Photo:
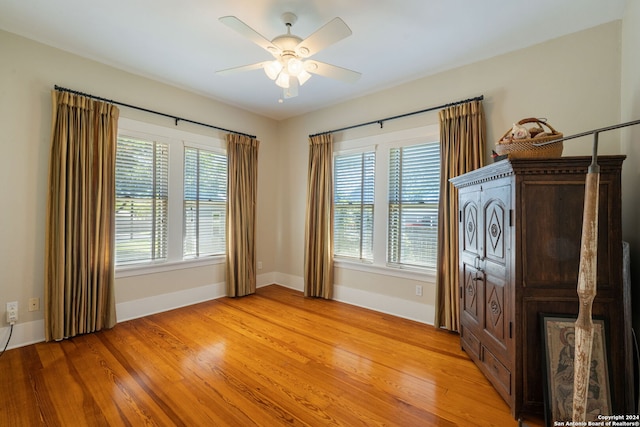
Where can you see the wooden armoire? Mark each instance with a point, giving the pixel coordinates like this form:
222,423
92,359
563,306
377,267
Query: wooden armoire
520,225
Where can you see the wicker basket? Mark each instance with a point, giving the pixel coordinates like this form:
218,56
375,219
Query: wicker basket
524,148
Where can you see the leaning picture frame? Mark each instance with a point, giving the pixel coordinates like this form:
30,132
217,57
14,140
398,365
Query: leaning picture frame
558,338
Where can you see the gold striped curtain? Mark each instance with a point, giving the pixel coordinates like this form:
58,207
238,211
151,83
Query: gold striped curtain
79,246
462,139
242,190
318,253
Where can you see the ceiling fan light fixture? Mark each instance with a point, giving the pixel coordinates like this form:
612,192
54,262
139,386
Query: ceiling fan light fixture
272,69
303,77
283,80
294,66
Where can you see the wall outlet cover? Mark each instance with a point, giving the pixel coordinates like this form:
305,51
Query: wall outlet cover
12,312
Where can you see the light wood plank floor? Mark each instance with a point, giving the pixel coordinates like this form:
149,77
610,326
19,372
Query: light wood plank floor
270,359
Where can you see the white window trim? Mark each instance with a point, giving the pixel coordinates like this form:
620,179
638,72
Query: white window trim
354,150
346,152
177,139
382,144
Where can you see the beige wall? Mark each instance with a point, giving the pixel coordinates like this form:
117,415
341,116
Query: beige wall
630,111
28,72
575,81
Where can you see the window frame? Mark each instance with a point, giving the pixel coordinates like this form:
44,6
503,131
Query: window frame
358,151
153,199
405,208
383,143
177,139
216,151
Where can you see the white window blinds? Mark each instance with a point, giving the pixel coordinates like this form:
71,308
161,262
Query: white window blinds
354,176
205,202
142,182
414,189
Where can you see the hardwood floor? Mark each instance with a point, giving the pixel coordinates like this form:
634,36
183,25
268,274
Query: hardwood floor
273,358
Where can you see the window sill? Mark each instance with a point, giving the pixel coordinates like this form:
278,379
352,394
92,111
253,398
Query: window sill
142,269
421,274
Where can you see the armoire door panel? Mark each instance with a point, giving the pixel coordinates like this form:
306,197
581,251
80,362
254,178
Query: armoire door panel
495,223
470,225
494,311
471,293
495,215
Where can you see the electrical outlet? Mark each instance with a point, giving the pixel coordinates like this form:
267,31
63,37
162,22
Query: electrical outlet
34,304
419,290
259,265
12,312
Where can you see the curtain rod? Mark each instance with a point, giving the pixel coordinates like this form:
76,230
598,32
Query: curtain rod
177,119
381,121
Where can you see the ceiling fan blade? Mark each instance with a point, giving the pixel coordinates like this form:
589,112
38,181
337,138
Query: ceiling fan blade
332,32
331,71
245,30
243,68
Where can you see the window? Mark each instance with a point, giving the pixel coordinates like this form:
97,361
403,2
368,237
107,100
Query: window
353,205
142,183
171,194
414,189
386,196
205,202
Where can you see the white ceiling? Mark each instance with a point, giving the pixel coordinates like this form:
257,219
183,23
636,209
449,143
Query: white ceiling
182,43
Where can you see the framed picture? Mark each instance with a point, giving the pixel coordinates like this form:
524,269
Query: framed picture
558,337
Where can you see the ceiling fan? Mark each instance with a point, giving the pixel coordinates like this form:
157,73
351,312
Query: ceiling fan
292,66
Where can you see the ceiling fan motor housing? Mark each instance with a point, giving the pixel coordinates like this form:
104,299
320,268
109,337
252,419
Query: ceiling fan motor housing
287,42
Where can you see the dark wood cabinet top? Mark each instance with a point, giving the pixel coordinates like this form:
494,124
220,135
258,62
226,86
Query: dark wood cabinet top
562,165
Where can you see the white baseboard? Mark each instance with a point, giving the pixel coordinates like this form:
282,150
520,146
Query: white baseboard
158,303
165,302
289,281
265,279
423,313
33,332
23,334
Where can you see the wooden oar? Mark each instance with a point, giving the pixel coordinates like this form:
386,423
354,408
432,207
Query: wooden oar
587,288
